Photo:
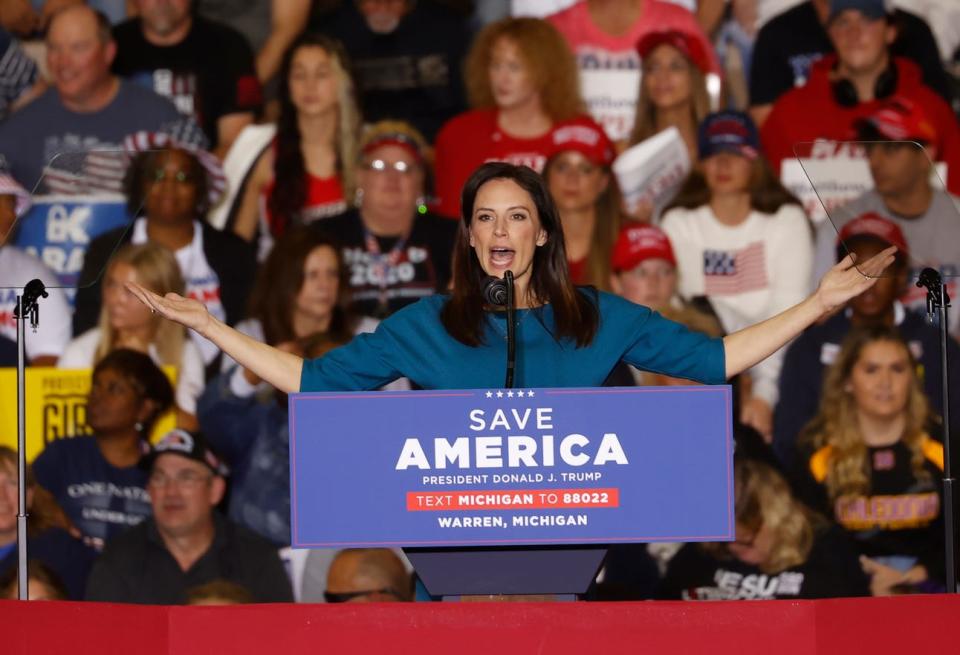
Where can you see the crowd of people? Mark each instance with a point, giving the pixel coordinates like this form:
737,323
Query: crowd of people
299,168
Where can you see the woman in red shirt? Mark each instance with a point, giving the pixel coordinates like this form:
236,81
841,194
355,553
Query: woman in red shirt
522,82
306,173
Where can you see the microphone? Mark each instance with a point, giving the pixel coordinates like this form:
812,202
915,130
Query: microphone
495,291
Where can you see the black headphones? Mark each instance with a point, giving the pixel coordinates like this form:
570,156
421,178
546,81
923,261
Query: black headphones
845,94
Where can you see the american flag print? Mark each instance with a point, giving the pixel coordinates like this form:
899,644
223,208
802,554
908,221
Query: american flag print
728,272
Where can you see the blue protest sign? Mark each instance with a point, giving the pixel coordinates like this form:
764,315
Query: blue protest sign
58,229
502,467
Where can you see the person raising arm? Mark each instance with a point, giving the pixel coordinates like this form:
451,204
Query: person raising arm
510,223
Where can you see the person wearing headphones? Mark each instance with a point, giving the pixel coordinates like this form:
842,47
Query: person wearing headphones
850,85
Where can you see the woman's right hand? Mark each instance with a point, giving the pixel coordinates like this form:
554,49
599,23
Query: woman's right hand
185,311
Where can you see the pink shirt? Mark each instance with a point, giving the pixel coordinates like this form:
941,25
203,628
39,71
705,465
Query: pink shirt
610,65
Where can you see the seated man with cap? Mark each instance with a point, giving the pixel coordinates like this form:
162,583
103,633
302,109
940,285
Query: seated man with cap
186,542
807,358
903,193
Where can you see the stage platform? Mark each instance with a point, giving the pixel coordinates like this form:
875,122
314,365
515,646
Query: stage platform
909,625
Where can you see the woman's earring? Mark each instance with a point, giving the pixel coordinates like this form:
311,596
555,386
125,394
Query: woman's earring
138,426
421,205
358,198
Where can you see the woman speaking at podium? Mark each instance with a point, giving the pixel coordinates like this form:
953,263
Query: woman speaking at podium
566,336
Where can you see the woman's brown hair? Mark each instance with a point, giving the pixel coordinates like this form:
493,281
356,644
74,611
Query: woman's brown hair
280,279
547,55
645,120
605,229
575,316
767,194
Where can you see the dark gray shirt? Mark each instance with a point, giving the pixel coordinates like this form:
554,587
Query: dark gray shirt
136,567
47,134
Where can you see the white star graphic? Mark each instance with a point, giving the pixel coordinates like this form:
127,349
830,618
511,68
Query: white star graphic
489,394
520,394
499,394
530,394
509,394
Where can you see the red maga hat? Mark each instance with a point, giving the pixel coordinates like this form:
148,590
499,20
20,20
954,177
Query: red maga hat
691,47
874,225
638,242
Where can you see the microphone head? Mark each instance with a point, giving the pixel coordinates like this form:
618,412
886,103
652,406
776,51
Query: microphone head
495,291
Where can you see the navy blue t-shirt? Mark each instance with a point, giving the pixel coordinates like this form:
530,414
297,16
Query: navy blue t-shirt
100,499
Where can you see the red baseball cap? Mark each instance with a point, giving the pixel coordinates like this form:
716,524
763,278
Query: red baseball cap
874,225
589,140
898,119
691,47
638,242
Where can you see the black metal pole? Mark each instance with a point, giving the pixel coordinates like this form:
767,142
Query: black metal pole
938,300
20,314
27,308
511,330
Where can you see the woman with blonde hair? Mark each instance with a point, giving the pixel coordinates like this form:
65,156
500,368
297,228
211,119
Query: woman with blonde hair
306,171
126,323
782,549
523,85
875,469
673,87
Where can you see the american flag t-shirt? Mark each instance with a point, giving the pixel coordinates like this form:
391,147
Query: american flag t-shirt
727,272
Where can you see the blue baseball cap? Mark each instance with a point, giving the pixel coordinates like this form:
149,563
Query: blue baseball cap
728,131
872,9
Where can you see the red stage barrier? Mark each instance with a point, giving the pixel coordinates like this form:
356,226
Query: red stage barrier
917,624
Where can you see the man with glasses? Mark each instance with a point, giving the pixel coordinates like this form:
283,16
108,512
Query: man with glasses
186,543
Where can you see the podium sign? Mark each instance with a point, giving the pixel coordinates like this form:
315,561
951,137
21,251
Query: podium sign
511,467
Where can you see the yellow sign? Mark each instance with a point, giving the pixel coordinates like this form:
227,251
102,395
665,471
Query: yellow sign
56,406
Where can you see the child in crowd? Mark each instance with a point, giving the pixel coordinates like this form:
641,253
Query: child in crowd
742,241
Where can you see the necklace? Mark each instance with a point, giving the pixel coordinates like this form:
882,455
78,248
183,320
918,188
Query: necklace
502,329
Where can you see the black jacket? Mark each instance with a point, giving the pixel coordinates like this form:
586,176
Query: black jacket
136,567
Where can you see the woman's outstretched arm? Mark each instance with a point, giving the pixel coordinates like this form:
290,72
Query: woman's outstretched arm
281,369
743,349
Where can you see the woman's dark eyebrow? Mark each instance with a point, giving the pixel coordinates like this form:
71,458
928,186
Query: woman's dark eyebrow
488,209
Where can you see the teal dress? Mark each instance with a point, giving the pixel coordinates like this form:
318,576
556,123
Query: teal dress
413,343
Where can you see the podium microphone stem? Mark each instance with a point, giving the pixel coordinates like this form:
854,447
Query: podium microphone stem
511,330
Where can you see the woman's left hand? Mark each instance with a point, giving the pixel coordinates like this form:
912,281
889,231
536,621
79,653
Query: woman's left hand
847,279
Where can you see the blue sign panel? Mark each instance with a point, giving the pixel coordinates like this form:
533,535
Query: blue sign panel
511,467
58,229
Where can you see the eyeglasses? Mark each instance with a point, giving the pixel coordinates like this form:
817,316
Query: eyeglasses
346,596
184,479
381,166
181,177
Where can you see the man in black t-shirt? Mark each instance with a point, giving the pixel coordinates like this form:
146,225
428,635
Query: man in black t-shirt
789,44
206,68
186,543
406,56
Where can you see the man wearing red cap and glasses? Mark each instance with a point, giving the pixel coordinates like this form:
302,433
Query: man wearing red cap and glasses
925,213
